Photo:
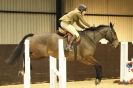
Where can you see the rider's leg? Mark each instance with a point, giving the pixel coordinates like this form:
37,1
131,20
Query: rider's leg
69,45
69,36
71,29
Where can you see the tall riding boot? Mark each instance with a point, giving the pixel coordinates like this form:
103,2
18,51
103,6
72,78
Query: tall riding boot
69,45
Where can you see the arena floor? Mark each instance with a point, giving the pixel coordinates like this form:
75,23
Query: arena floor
106,83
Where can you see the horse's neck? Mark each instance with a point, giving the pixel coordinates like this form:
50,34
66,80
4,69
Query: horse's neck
94,36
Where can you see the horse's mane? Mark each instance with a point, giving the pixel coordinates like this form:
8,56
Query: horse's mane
93,29
96,28
102,26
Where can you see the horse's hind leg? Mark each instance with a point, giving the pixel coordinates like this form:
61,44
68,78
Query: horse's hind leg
90,60
22,71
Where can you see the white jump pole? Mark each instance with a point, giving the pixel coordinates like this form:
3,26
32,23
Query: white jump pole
27,76
53,77
123,61
61,73
62,65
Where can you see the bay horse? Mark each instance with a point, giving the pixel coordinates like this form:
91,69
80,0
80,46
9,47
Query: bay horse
43,45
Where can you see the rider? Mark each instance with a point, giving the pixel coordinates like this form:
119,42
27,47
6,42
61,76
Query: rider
74,16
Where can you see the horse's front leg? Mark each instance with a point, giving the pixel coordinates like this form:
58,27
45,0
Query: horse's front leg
98,69
90,60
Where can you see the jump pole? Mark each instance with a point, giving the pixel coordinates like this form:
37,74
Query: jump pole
125,76
27,76
54,72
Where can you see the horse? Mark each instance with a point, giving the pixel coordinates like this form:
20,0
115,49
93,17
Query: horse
43,45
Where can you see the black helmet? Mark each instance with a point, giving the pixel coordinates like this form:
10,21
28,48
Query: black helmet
82,7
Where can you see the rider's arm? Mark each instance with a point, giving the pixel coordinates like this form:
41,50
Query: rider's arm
80,25
82,20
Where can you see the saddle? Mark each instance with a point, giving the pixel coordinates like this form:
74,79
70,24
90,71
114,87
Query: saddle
67,35
62,32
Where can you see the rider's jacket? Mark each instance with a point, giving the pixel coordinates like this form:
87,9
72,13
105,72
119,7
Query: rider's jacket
74,16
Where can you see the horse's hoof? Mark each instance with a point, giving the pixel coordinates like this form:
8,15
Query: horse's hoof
97,81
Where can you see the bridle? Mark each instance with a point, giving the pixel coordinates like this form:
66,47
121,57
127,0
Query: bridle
111,37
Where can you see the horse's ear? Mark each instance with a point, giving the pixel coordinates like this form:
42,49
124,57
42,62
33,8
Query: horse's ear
111,25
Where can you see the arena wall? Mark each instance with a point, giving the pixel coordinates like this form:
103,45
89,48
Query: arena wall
106,55
20,17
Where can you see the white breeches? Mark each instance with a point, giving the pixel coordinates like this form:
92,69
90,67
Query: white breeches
70,28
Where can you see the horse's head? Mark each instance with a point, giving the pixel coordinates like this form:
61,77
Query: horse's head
103,31
111,36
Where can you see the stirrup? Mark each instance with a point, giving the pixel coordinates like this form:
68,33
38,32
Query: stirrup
68,48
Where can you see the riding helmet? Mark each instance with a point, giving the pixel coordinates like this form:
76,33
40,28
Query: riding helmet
82,7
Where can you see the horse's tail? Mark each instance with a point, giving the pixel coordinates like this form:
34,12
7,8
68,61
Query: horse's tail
17,51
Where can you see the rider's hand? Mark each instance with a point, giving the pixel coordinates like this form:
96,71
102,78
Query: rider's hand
86,28
83,29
